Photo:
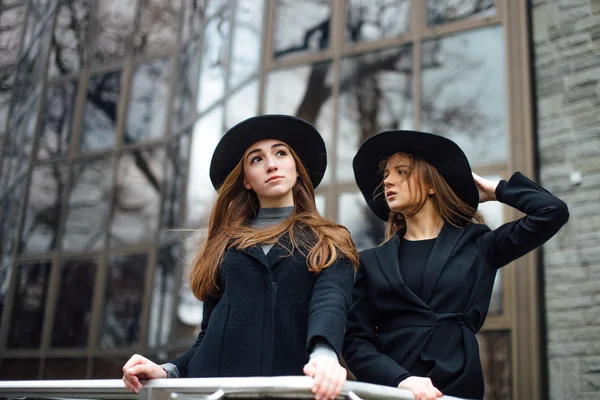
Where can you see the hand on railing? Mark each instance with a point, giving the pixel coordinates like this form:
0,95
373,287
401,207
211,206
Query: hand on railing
329,377
421,388
138,368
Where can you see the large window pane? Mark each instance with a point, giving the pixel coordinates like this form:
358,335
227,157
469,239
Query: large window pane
174,186
184,105
307,95
193,16
494,350
69,41
136,197
376,19
27,317
366,228
148,101
85,226
101,111
157,31
73,313
65,368
11,29
7,83
108,368
247,41
301,26
19,369
376,94
242,104
55,131
123,300
42,217
163,296
444,11
115,22
464,92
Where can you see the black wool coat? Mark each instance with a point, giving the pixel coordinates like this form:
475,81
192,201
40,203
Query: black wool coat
393,334
271,311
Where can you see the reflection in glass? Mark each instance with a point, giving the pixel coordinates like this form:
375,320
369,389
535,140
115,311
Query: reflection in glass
366,229
376,19
19,369
148,101
68,50
217,34
242,104
25,330
55,131
307,95
11,29
85,225
301,26
136,197
115,22
7,83
444,11
193,15
157,30
163,296
494,350
65,368
184,112
101,111
39,19
463,92
247,41
42,217
375,95
174,187
123,301
73,313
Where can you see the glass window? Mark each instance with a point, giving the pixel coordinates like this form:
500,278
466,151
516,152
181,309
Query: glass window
19,369
494,351
301,26
375,94
444,11
69,47
7,83
157,30
123,301
55,131
366,228
242,104
148,101
11,29
246,42
73,314
163,296
368,20
464,92
193,14
108,368
184,106
65,368
115,22
27,317
101,111
174,186
136,197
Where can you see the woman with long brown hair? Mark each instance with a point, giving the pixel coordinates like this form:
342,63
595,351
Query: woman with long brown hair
421,296
275,277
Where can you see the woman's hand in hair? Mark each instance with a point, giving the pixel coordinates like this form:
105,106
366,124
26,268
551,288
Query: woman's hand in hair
329,377
139,368
421,388
487,189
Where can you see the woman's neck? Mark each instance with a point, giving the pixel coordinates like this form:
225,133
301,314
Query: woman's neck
426,224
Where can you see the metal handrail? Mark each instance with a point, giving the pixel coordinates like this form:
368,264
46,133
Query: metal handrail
196,389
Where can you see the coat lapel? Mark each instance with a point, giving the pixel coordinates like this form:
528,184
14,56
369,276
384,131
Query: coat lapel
442,250
280,250
257,253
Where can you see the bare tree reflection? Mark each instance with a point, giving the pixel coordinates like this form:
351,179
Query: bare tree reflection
157,26
443,11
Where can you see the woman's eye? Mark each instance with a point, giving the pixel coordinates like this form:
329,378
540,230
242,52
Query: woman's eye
281,153
255,159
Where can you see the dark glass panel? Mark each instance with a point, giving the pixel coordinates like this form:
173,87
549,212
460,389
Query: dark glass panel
65,368
101,111
108,368
464,92
69,50
115,22
376,94
55,132
444,11
136,197
366,228
158,26
89,197
494,351
27,316
163,295
246,42
19,369
43,213
11,30
301,26
368,20
148,101
123,301
73,314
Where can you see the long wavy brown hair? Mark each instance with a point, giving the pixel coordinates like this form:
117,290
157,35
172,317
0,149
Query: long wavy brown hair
319,239
451,208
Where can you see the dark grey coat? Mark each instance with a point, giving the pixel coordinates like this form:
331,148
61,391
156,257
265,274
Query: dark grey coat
392,333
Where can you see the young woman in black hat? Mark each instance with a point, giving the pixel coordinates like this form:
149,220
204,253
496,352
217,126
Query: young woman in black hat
275,277
421,296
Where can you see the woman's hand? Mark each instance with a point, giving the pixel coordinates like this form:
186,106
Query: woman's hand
138,368
329,377
487,189
421,388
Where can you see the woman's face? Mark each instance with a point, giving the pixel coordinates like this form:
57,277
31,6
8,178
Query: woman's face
399,184
270,170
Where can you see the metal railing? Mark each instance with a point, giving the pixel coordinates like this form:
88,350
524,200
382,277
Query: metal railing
287,387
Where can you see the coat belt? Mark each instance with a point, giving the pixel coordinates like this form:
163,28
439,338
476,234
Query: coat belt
441,319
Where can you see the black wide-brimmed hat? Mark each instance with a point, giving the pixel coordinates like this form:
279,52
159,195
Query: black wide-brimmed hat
442,153
301,136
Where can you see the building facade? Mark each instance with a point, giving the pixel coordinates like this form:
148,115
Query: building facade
110,110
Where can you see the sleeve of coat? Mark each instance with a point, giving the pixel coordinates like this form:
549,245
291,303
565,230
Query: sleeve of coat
545,215
329,305
360,350
182,361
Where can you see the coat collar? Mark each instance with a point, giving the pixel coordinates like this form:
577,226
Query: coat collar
278,252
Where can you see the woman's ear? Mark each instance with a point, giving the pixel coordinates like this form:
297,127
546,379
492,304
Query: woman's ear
247,184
